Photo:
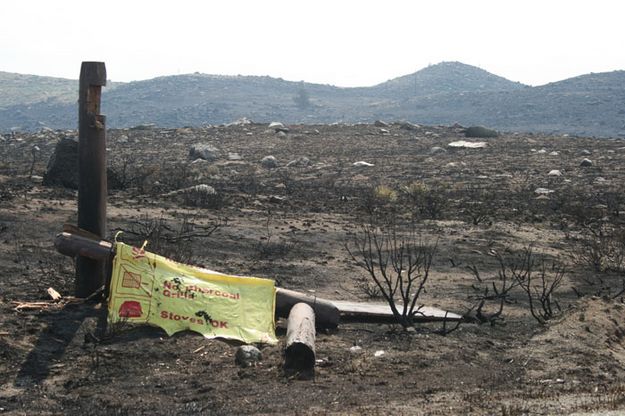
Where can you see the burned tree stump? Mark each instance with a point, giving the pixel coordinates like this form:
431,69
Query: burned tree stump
299,357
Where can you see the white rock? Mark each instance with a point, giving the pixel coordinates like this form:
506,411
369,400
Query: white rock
543,191
363,164
240,122
554,153
378,353
355,349
554,172
467,145
275,124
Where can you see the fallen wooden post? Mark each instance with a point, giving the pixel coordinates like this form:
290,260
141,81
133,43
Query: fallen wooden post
326,312
73,245
92,186
299,356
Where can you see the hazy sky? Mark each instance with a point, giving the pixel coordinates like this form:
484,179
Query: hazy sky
339,42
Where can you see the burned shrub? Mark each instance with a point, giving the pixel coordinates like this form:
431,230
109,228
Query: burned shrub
424,201
537,278
398,266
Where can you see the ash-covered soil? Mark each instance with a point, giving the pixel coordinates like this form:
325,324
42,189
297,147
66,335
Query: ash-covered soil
291,222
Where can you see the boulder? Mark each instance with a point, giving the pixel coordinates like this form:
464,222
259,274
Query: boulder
586,162
480,131
554,172
203,151
62,167
269,162
408,126
247,356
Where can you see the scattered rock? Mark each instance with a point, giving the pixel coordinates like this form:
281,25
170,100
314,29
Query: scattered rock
243,121
436,150
269,162
467,145
203,151
586,152
278,127
554,153
355,349
586,162
363,164
247,356
276,199
201,189
234,156
542,151
543,191
384,131
281,134
380,123
300,162
409,126
379,353
554,172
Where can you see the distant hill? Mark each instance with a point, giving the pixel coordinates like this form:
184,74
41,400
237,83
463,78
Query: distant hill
16,89
446,93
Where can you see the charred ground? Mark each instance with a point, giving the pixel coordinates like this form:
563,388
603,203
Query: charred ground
291,223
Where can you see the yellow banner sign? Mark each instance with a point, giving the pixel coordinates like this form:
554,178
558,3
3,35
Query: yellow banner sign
148,288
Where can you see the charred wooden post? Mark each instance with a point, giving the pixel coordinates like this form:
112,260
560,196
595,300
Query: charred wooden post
299,356
327,314
75,245
92,186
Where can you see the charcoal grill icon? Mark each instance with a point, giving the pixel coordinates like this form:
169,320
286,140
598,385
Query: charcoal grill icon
130,309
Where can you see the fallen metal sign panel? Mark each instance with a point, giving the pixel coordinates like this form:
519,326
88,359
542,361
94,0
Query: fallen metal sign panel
362,311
